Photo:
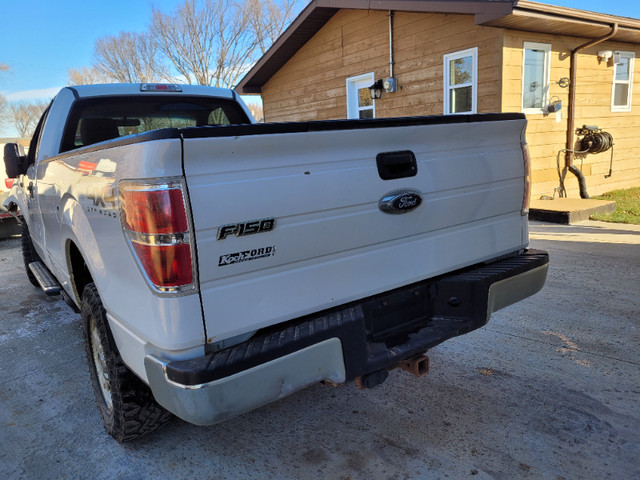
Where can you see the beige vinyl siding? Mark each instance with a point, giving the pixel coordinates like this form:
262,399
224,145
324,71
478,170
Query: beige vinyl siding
546,136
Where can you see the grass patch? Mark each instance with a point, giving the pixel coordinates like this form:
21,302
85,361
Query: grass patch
627,206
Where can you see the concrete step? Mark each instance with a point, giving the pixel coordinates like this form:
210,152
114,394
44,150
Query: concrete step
568,211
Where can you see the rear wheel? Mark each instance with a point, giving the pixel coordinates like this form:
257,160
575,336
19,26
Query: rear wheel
29,254
127,407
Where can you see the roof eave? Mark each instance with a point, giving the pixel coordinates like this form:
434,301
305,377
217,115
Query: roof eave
541,18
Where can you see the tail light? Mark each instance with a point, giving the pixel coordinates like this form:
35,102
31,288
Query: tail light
156,223
527,179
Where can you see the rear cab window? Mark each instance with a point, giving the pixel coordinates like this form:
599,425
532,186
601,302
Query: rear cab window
95,120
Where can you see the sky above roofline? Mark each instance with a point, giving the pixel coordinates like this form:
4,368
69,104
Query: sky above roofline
45,39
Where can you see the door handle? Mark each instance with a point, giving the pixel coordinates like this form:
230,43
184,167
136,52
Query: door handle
30,189
393,165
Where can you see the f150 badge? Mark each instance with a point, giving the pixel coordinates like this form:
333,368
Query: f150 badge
246,228
400,201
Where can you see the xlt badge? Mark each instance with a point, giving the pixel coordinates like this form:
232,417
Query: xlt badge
400,201
246,228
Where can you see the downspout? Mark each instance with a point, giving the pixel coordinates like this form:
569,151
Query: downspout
571,108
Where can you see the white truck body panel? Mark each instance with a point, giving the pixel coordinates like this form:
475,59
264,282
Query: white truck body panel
81,206
332,243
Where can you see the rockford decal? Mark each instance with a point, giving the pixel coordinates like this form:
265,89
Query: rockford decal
246,256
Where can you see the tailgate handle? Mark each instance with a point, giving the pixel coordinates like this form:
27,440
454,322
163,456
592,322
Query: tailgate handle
396,164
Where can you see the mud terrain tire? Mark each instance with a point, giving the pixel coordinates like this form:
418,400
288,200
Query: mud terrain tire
127,407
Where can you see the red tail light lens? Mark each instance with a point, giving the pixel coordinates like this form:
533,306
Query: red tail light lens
166,266
155,221
155,211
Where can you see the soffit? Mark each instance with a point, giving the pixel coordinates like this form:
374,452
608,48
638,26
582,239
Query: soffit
537,17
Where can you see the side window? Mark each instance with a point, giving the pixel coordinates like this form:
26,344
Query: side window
461,82
536,64
622,81
359,101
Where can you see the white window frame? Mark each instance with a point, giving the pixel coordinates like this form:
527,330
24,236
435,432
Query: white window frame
622,108
546,76
446,60
353,85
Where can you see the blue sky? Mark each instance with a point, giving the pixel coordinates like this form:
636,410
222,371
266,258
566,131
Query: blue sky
41,40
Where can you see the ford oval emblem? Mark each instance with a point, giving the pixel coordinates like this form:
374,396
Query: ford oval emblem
400,201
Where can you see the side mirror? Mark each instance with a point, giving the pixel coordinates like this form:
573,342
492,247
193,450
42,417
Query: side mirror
15,161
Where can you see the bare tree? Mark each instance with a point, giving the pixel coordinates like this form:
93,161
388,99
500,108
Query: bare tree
25,116
214,42
184,38
269,19
207,42
128,58
85,76
256,111
4,110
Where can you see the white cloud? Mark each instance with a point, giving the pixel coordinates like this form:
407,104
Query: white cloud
31,95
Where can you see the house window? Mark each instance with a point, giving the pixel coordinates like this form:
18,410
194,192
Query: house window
536,65
460,82
359,101
622,81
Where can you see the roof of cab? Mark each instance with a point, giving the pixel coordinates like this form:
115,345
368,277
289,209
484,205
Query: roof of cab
86,91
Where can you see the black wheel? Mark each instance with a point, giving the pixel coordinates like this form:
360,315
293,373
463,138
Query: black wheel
29,254
127,407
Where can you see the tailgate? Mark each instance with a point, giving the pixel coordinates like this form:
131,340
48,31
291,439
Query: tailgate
287,218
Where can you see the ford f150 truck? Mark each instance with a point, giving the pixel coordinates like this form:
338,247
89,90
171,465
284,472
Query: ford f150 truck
219,264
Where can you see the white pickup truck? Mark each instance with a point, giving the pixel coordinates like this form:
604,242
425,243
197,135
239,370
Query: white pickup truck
219,265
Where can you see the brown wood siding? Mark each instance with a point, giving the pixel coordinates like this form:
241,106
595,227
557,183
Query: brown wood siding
312,84
546,136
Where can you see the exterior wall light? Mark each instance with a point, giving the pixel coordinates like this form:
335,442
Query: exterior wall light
376,90
605,55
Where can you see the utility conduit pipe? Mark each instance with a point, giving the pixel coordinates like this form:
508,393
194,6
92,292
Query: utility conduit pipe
391,61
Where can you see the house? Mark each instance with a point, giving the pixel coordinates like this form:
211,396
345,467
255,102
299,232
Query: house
564,68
